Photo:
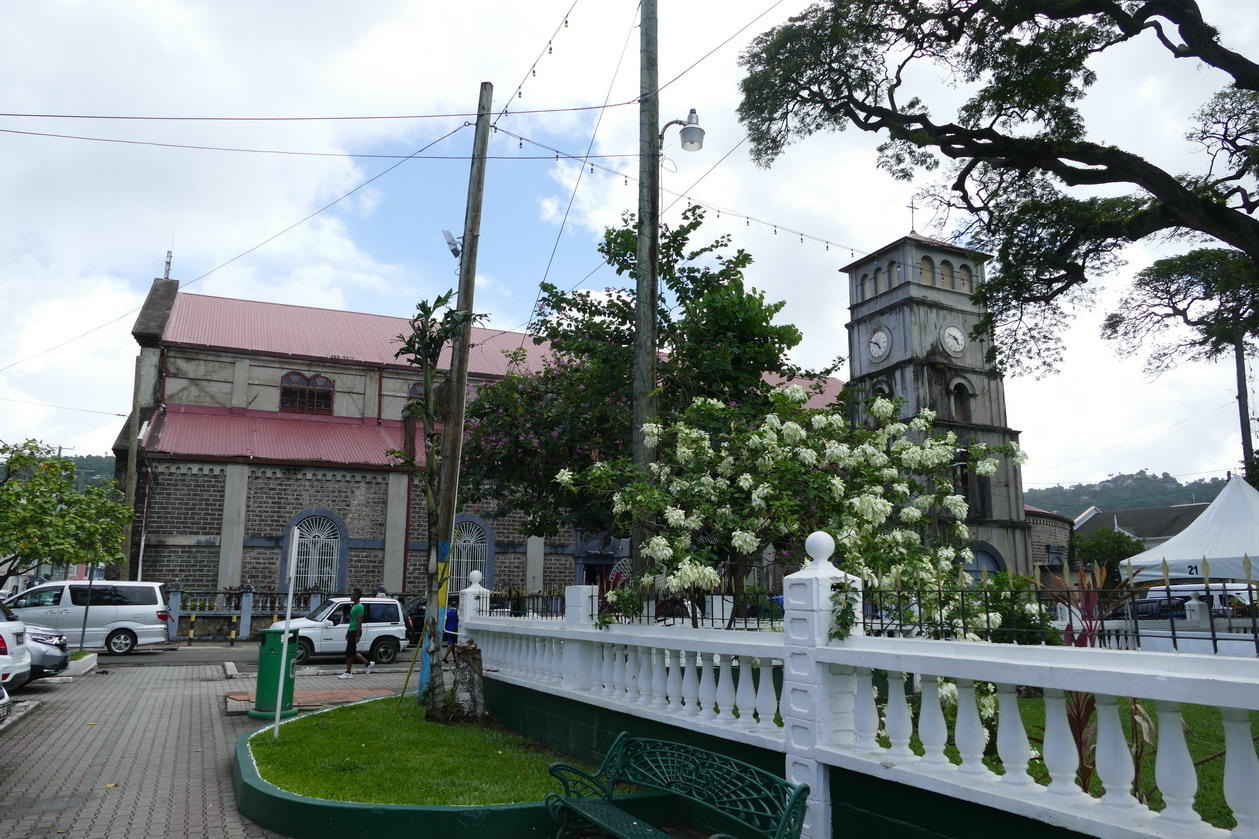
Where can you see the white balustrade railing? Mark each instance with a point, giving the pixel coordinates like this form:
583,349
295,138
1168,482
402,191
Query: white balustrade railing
915,711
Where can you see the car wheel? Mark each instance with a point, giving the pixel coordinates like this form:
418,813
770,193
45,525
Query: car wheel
120,642
385,650
305,650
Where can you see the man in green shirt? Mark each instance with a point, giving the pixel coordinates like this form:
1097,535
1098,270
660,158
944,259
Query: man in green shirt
354,631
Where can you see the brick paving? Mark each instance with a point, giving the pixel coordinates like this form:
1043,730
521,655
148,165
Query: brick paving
138,752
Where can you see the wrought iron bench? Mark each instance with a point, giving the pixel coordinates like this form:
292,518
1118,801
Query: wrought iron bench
737,793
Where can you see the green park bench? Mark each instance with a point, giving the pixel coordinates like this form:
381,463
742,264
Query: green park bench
729,793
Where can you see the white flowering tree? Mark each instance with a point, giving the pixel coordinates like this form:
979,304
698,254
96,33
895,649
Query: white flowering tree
725,490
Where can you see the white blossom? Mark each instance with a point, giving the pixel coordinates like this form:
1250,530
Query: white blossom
690,575
745,481
744,542
985,467
652,432
657,548
564,477
882,408
806,456
796,393
792,433
956,505
674,516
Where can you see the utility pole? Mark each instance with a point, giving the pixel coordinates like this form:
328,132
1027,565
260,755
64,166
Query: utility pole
647,261
457,383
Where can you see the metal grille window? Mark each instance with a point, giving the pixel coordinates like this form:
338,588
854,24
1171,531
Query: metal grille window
468,553
318,549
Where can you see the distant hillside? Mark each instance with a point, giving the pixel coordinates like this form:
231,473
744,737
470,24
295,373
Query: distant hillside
1123,492
92,469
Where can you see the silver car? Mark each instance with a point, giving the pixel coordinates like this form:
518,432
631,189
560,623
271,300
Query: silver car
50,653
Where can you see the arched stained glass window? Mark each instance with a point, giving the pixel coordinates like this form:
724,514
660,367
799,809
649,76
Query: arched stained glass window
302,395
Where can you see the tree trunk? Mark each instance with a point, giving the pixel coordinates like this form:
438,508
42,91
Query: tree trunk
1243,405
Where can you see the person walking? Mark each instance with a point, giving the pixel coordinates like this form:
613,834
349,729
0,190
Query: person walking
354,631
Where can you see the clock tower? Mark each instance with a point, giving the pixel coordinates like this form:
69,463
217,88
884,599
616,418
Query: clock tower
911,336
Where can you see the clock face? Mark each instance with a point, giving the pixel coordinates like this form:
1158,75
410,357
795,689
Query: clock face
954,340
880,343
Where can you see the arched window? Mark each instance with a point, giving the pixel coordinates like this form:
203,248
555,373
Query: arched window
880,285
946,274
866,288
322,552
927,271
985,559
893,274
963,278
302,395
473,550
960,397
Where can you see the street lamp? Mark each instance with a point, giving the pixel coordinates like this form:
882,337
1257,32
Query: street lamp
692,133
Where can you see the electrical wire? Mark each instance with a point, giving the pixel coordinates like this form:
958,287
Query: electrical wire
61,407
581,172
264,242
288,152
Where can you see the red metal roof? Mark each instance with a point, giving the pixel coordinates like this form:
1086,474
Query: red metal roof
185,430
224,323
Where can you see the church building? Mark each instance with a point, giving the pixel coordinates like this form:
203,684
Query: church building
262,420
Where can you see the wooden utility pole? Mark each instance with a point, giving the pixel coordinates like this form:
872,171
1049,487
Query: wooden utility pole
457,383
646,267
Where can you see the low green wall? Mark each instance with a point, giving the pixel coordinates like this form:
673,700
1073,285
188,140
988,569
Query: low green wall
862,805
318,818
586,731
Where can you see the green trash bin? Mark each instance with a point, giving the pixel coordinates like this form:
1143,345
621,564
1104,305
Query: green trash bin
268,684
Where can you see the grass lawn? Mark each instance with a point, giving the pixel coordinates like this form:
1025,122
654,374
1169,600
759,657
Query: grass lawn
1204,735
381,753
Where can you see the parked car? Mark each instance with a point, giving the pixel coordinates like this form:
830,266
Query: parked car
416,608
6,704
120,617
50,652
15,658
322,632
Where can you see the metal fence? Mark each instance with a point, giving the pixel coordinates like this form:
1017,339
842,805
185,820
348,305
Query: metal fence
747,611
1149,619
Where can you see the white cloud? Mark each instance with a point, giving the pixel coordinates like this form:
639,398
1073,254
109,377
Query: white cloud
86,225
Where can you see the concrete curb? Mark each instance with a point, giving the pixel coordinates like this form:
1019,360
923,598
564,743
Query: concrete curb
20,709
81,666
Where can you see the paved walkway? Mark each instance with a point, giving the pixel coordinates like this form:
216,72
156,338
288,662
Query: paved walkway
138,752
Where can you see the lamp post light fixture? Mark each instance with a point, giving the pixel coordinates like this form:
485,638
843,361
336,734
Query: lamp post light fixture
692,133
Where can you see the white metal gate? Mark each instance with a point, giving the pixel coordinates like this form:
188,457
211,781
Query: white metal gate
318,549
470,552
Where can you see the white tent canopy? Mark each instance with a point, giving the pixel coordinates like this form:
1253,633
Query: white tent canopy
1225,533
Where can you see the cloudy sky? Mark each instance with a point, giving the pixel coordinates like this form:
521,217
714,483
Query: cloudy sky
274,205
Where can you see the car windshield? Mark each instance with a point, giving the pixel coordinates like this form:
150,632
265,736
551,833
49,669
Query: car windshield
321,612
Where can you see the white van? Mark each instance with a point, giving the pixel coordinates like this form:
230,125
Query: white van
121,616
1223,597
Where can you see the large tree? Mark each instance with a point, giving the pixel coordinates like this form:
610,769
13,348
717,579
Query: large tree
435,327
717,339
46,518
1196,306
1054,204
